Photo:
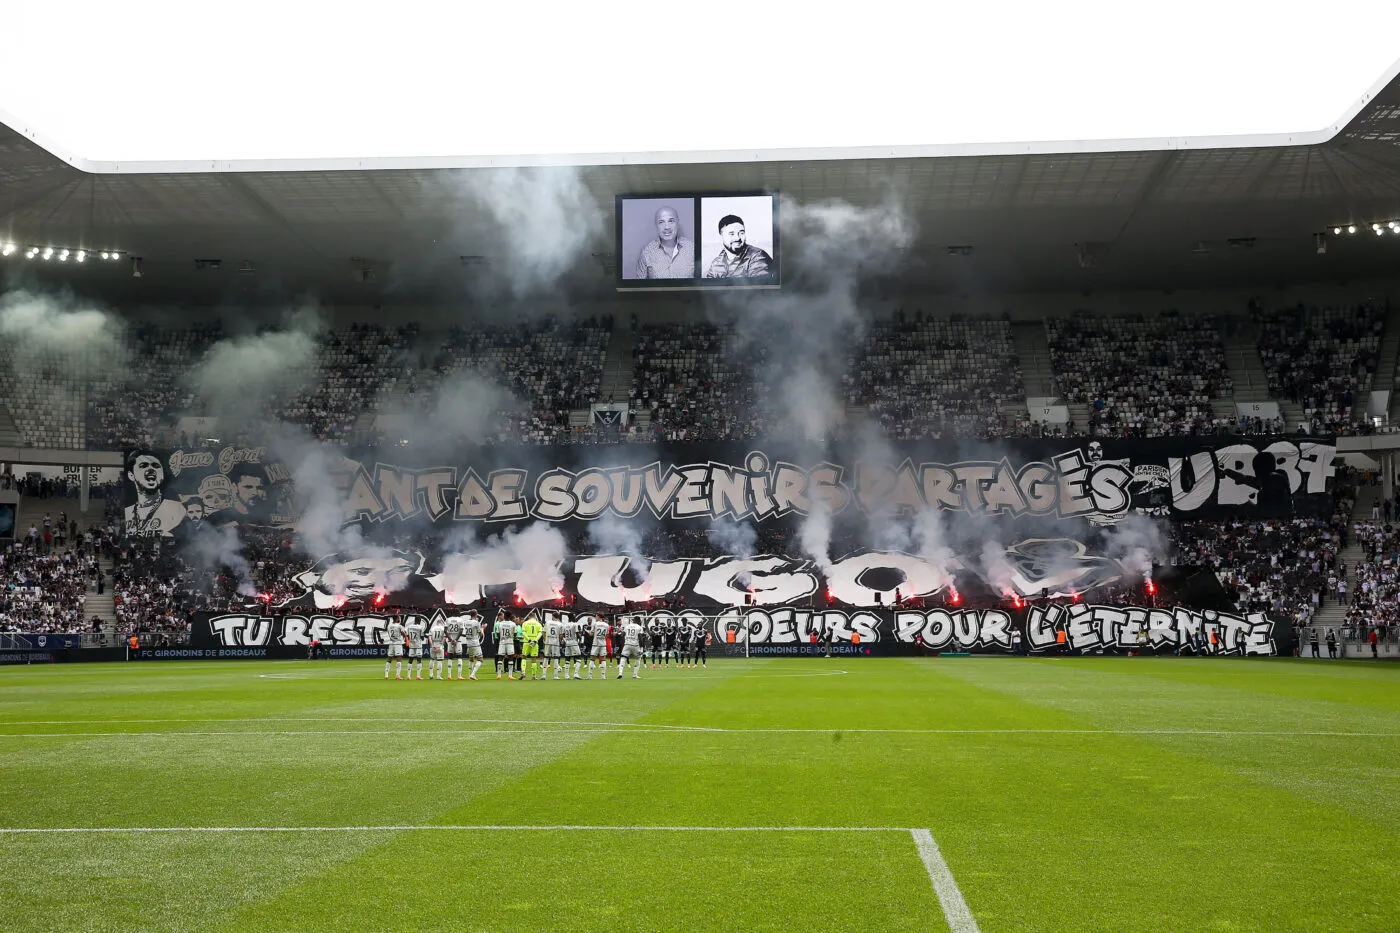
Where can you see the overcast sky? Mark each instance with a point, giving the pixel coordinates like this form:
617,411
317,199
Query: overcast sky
194,81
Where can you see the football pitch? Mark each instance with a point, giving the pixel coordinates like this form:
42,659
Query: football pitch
991,794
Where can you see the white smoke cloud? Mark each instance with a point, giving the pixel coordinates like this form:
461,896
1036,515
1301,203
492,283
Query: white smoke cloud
530,557
612,535
543,220
243,376
730,537
218,548
814,537
1138,543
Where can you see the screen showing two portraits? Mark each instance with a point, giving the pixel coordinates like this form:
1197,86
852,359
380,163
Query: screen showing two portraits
694,240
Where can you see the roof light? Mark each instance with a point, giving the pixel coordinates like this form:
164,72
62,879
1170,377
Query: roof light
63,255
1336,231
48,252
82,256
33,251
8,249
1351,228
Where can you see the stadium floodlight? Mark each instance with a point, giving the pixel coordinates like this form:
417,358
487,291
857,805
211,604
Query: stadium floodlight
8,249
1336,231
82,256
1351,228
63,255
33,251
48,252
104,255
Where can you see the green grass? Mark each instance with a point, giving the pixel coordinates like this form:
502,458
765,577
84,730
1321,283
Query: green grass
1065,794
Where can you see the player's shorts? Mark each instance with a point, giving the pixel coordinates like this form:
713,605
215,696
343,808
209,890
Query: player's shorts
437,654
552,651
599,651
631,651
505,648
473,652
415,652
571,651
455,650
396,651
532,649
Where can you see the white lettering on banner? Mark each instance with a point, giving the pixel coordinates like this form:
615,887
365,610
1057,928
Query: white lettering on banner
1076,482
1085,627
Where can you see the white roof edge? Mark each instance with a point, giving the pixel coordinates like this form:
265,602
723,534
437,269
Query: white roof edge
409,163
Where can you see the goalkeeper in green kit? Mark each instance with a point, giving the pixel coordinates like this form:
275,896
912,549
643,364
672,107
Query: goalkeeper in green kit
531,631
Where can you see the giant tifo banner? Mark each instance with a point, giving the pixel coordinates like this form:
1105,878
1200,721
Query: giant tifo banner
1038,629
169,492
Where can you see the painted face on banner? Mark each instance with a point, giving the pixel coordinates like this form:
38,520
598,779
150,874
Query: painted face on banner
364,576
216,491
147,473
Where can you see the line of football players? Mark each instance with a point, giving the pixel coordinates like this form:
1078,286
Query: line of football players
567,645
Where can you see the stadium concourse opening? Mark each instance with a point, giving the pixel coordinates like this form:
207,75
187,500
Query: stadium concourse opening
828,537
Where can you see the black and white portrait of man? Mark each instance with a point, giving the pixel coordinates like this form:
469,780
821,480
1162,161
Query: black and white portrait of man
151,515
657,238
737,238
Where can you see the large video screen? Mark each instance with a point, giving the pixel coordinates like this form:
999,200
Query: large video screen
693,240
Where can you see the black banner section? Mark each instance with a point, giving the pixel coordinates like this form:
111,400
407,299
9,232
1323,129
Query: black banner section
169,492
1074,627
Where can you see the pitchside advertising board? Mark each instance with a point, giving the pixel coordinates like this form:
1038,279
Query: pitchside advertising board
777,631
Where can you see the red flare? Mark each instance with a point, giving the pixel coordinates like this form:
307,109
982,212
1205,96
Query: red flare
957,597
1151,588
1074,595
340,600
378,598
1016,601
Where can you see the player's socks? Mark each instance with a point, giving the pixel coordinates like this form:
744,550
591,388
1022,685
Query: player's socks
577,666
387,665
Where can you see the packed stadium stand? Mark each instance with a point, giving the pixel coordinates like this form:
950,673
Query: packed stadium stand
916,375
1323,359
926,377
1142,376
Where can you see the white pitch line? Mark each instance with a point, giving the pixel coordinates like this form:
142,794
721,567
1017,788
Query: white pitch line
508,722
18,831
582,728
960,919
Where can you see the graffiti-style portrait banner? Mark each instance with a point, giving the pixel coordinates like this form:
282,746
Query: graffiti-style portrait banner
783,630
1102,481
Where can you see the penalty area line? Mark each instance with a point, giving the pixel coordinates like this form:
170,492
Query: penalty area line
955,909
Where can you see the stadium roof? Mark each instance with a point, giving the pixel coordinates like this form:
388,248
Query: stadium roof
1117,214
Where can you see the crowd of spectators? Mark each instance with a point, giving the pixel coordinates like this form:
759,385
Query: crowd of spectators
699,381
1281,566
933,377
1322,358
44,589
508,383
137,395
1142,376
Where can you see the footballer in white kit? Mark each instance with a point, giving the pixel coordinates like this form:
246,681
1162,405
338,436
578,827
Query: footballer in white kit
553,644
505,646
599,654
631,649
572,651
470,645
414,631
437,649
394,636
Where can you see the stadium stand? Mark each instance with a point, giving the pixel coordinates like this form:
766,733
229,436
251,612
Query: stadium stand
1322,358
1142,376
927,377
